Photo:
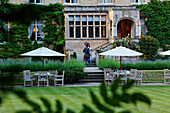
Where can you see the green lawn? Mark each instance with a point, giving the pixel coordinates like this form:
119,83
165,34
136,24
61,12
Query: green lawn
73,97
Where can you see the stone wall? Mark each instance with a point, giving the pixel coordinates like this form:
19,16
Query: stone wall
52,2
81,2
18,1
88,2
78,46
123,2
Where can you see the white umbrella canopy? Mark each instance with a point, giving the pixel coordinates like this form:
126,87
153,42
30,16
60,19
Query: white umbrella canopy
121,51
165,52
43,51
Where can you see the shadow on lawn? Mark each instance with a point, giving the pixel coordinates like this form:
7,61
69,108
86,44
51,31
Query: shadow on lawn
111,99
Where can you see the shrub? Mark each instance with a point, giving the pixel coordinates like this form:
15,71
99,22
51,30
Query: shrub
149,47
74,70
108,63
156,65
128,43
20,65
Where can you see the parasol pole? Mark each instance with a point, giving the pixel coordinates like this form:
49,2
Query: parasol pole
43,63
120,62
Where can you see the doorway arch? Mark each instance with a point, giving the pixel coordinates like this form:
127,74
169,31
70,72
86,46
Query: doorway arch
125,27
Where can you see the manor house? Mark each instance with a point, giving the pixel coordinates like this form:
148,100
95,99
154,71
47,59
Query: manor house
99,22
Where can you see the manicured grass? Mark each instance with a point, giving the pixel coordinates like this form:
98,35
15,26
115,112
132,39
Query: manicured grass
74,97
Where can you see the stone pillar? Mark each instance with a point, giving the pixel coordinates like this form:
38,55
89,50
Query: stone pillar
66,26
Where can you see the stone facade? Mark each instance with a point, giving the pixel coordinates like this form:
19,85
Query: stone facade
115,20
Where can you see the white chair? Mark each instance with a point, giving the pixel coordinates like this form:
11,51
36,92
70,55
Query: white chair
108,76
42,77
27,78
59,78
122,75
166,75
139,75
133,73
53,72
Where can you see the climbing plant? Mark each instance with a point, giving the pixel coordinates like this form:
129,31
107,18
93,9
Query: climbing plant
20,17
18,41
157,15
54,26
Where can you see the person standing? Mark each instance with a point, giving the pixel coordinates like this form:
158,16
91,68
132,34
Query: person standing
89,52
86,54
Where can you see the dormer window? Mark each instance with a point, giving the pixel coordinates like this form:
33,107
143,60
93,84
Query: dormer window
105,1
35,1
138,1
71,1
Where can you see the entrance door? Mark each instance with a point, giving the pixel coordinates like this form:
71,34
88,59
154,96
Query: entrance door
124,28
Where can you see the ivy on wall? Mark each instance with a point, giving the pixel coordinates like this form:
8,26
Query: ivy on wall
21,15
158,20
18,41
54,27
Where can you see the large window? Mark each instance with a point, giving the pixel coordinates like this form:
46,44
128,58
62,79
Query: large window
35,1
105,1
87,26
138,1
70,1
35,30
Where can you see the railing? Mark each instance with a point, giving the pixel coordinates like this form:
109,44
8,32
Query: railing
100,46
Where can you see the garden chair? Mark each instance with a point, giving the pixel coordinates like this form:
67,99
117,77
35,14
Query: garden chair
133,73
53,72
122,75
166,75
42,77
139,75
28,78
59,78
108,76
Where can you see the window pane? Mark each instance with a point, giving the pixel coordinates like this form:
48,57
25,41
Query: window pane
84,20
77,20
109,1
71,20
71,31
96,31
97,20
31,1
67,1
74,1
101,1
103,20
90,20
84,32
77,32
38,1
90,32
103,31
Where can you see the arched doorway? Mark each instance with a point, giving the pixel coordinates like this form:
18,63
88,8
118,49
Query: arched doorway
125,27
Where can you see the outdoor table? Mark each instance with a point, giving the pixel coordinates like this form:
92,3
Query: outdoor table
49,74
127,72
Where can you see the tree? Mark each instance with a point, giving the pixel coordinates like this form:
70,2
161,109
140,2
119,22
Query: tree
158,20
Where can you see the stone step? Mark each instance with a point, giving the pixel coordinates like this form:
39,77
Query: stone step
95,77
95,74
